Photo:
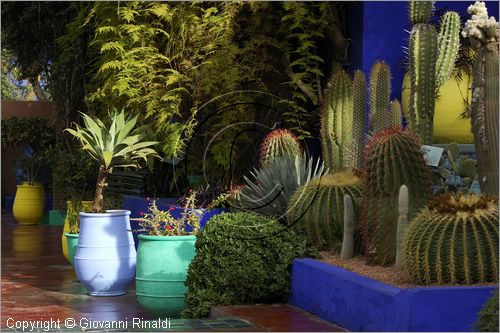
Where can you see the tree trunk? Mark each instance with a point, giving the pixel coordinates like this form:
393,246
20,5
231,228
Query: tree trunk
98,205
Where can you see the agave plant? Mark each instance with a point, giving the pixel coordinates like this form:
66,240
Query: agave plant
270,189
120,145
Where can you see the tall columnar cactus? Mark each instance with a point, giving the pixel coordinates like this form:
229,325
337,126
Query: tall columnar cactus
483,34
454,241
336,120
448,45
432,60
402,225
317,208
279,143
380,94
423,57
392,158
396,114
349,229
421,11
354,151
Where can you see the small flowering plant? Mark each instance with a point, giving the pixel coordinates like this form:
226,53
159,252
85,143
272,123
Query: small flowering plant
158,222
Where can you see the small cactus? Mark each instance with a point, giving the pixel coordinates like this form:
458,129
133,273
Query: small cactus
349,229
454,241
279,143
448,45
396,114
402,225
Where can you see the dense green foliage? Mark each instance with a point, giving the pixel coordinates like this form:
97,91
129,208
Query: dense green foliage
174,64
488,317
241,258
454,241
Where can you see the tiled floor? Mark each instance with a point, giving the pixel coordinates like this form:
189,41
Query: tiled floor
39,285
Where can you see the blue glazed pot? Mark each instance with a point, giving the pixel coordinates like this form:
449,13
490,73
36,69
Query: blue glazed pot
105,257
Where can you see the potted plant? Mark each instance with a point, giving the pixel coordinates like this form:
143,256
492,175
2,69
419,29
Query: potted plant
35,138
164,254
105,257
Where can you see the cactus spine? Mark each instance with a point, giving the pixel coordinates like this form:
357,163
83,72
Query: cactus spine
349,229
354,150
431,63
317,208
392,158
454,241
279,143
448,45
336,116
380,94
402,225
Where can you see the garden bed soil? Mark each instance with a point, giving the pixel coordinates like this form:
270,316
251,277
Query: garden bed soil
388,275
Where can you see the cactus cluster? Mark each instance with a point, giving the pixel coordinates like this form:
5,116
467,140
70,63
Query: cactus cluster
454,241
483,34
392,158
432,60
343,114
279,143
317,208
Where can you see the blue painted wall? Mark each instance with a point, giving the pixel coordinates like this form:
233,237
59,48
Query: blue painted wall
378,31
359,303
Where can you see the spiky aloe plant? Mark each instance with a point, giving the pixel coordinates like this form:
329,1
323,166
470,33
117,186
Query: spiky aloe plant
432,60
483,34
454,241
380,94
118,145
336,120
269,189
317,207
392,158
279,143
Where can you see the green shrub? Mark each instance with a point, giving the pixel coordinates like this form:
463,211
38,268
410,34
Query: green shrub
241,258
488,317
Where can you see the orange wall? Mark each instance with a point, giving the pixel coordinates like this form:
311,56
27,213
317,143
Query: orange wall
19,109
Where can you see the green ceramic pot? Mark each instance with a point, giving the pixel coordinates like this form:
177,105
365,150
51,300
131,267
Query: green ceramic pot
72,240
162,264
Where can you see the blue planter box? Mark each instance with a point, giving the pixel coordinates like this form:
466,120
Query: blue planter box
137,204
359,303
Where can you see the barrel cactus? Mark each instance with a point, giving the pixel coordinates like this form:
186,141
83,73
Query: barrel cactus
318,208
279,143
454,241
392,158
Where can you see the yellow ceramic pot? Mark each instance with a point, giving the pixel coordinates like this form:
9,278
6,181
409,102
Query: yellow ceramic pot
28,204
451,103
87,206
